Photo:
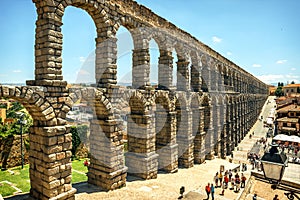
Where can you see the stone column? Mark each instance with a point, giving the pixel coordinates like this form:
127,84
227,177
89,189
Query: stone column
105,66
196,81
165,66
106,167
185,139
48,51
213,77
141,158
205,74
231,127
140,68
50,163
183,75
166,146
199,141
210,131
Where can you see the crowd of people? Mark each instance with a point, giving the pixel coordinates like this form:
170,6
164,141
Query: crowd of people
230,179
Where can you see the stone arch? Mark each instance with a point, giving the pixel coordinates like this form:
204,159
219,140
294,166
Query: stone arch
48,61
183,74
184,131
50,142
198,128
141,158
165,140
40,109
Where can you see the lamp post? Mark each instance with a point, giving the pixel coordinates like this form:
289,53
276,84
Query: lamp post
273,166
21,122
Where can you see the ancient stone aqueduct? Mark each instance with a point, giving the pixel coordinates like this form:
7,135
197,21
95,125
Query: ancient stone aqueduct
208,112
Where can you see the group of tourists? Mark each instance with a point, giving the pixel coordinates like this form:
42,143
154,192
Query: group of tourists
229,180
255,161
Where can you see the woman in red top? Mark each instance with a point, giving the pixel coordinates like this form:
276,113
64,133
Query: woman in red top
226,180
207,190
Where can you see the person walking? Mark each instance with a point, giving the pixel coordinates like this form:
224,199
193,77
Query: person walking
237,184
226,180
216,179
220,178
276,197
243,182
230,174
207,190
212,191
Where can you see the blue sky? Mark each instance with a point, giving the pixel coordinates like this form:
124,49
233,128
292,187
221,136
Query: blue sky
261,36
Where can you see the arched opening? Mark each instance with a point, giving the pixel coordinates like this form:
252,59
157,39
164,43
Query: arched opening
165,141
124,57
174,73
79,118
78,55
205,75
15,123
154,58
17,41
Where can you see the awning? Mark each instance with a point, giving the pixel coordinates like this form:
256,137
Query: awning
292,138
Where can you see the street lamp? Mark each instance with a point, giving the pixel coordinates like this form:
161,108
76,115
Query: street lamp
21,122
273,165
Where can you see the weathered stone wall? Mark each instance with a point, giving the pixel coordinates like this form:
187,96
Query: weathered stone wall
206,114
10,151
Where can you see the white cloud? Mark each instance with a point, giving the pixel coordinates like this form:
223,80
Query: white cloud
256,65
3,75
229,53
215,39
280,62
17,71
275,78
293,69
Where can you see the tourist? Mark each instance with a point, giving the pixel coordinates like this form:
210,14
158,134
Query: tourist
216,179
207,190
243,181
230,174
237,184
276,197
220,178
226,180
232,183
212,191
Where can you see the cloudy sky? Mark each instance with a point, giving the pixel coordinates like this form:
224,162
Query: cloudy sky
261,36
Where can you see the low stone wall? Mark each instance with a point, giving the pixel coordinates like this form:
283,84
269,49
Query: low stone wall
10,151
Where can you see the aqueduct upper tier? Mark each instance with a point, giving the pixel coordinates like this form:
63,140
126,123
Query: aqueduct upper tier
208,112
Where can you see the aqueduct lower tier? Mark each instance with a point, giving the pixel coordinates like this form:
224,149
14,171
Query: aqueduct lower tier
207,113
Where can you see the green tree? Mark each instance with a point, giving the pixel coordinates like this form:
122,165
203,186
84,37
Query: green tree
279,92
293,82
12,111
75,140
